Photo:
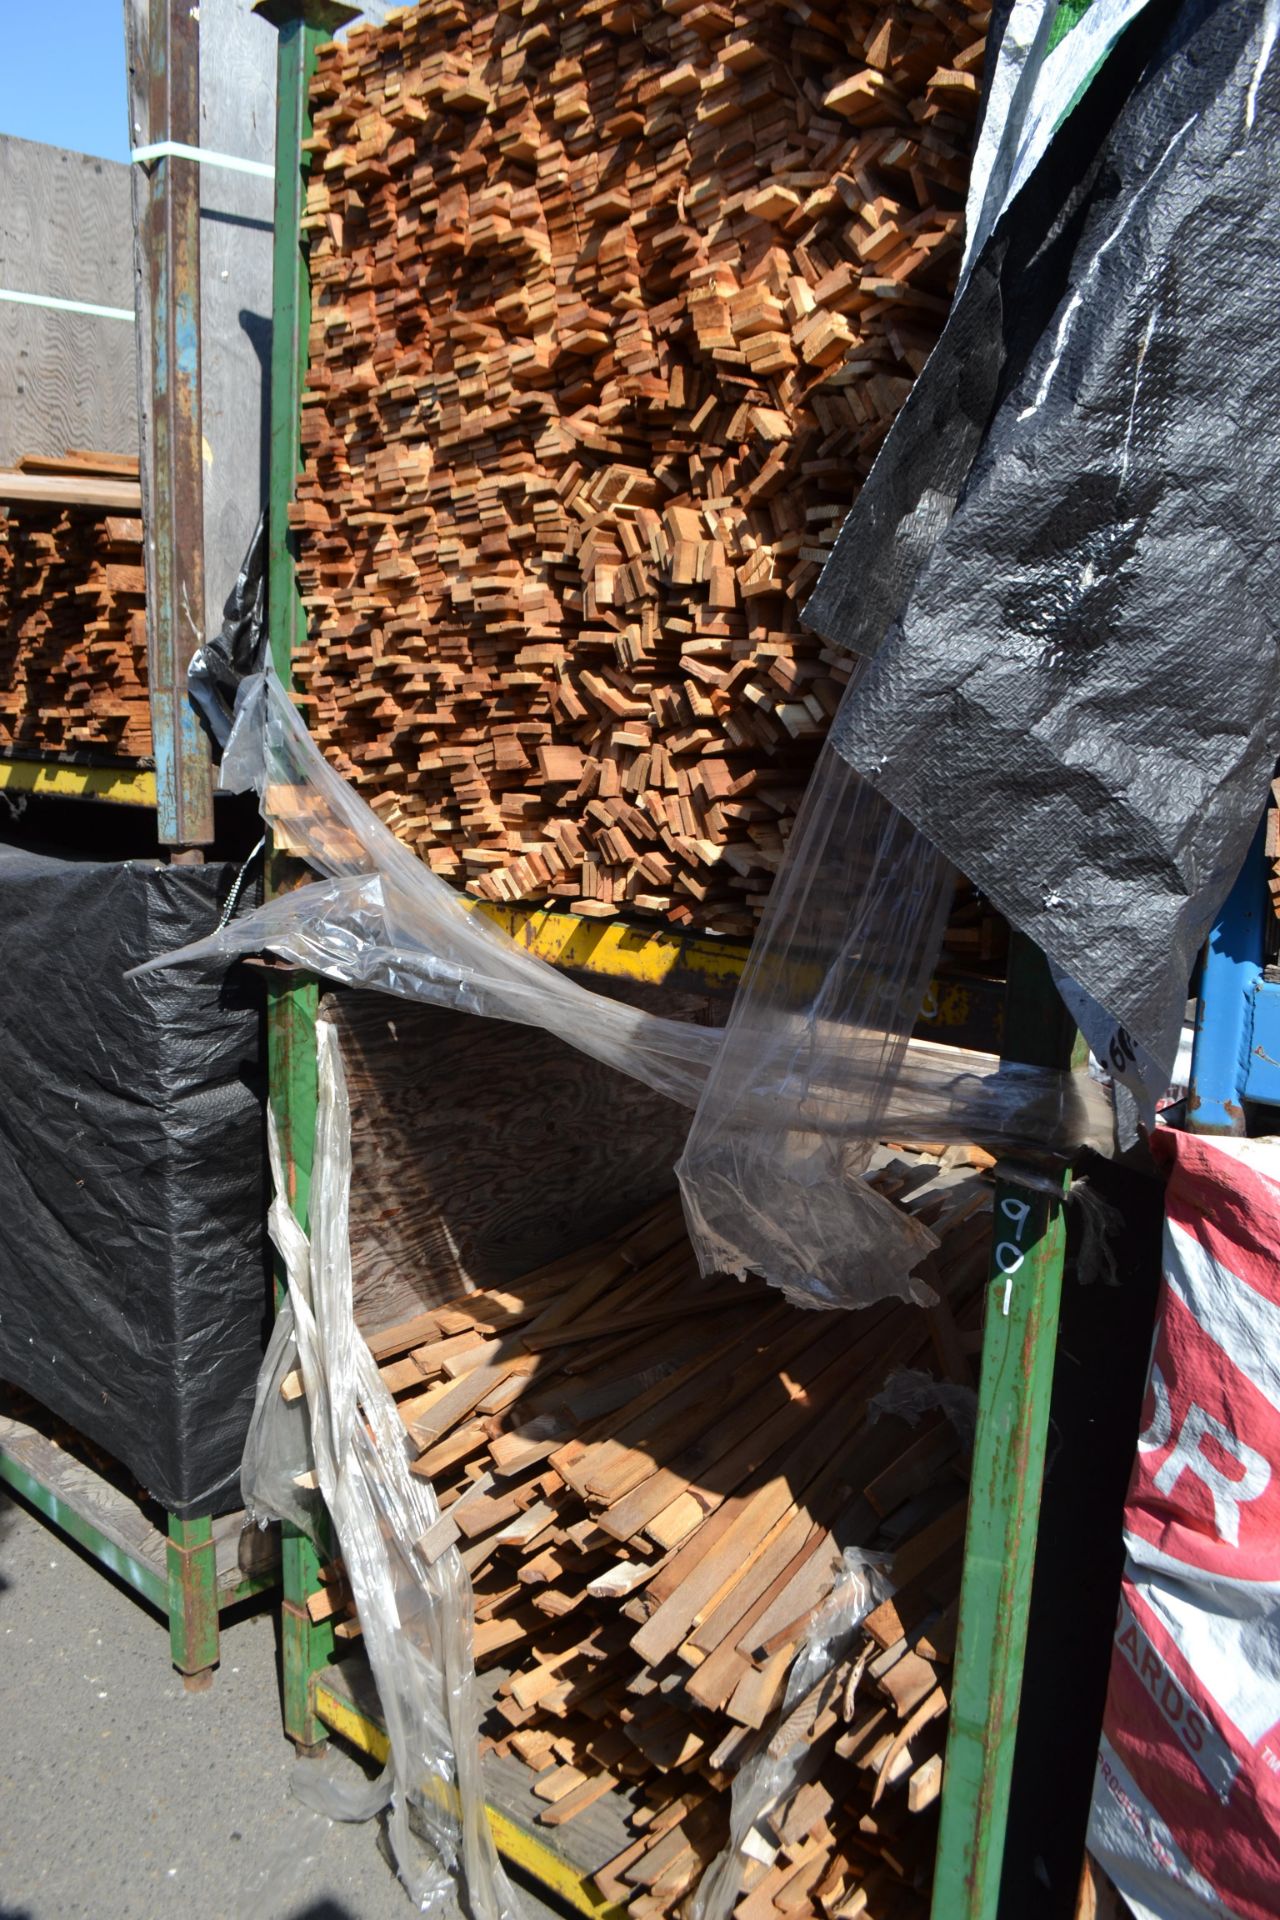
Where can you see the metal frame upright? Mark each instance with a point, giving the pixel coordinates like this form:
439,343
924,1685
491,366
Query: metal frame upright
1025,1284
293,998
1019,1348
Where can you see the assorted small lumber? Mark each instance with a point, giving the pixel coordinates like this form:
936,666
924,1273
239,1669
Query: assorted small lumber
652,1479
1273,847
73,637
613,307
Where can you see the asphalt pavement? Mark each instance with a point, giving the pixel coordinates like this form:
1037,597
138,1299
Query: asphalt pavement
123,1797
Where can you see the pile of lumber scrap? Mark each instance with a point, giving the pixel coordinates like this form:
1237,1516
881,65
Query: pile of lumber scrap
613,306
73,639
1273,847
651,1479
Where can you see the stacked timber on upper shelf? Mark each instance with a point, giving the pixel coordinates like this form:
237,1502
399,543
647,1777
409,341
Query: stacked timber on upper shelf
613,307
73,639
652,1479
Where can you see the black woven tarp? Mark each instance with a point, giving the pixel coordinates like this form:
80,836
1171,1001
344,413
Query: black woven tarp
1068,554
132,1263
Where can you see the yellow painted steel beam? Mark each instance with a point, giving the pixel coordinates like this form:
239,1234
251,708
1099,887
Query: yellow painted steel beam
126,786
650,956
963,1009
522,1849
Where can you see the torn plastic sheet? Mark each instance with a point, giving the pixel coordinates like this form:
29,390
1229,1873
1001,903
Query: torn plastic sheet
910,1394
819,1029
384,920
415,1609
277,1465
1075,691
814,1684
817,1063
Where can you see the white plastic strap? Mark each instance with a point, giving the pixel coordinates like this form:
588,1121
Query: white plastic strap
66,306
176,150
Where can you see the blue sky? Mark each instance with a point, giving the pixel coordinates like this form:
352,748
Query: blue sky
62,74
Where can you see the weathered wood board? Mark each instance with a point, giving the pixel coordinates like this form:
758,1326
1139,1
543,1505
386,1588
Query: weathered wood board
66,379
237,117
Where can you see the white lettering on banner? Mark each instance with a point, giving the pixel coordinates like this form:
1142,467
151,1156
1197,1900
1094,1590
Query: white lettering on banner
1137,1818
1156,1437
1008,1254
1225,1635
1227,1493
1200,1738
1128,1836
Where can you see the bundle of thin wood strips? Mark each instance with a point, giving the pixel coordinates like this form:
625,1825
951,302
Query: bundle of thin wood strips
652,1480
613,306
73,638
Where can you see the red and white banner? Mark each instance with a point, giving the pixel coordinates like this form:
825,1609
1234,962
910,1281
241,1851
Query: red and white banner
1186,1808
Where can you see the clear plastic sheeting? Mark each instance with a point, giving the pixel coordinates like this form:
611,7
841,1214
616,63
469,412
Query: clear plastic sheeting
910,1395
813,1685
278,1462
415,1608
816,1064
385,921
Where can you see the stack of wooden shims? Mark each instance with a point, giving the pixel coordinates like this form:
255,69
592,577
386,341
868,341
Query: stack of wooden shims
1273,847
73,639
613,306
651,1478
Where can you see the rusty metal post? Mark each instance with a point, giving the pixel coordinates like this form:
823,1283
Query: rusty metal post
164,61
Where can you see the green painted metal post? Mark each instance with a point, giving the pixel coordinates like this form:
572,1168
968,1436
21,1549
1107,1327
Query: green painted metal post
1019,1347
292,1002
306,1646
193,1601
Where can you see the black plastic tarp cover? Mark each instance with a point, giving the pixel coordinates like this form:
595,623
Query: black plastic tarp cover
1067,558
132,1261
216,669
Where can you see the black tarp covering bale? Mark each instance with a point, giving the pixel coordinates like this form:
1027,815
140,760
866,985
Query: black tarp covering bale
1066,560
133,1276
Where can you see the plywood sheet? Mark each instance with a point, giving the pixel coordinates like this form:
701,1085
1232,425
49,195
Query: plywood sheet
66,379
481,1150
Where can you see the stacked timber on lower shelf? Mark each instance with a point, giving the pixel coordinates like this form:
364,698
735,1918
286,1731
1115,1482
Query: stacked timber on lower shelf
614,305
73,633
652,1480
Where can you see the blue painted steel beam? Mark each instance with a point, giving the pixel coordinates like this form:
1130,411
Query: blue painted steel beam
1220,1059
1262,1077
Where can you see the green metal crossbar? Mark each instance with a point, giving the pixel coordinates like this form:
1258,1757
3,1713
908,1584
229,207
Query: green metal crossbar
178,1576
145,1580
